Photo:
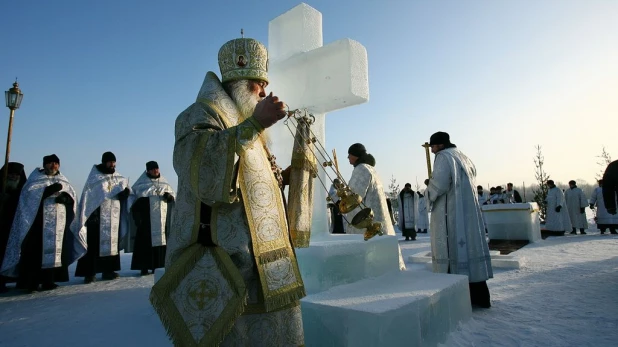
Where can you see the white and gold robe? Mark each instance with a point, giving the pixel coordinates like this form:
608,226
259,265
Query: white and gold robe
55,219
160,209
458,244
100,191
245,290
366,183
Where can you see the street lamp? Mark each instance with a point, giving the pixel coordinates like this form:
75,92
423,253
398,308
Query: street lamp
13,98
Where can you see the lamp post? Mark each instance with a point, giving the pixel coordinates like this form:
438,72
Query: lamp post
13,98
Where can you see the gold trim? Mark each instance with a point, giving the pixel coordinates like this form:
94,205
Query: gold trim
160,297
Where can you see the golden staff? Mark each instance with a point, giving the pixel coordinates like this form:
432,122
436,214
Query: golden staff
336,163
426,145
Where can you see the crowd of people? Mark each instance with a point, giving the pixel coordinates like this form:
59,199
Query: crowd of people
45,228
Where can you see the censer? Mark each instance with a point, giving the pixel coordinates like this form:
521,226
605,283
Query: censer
305,155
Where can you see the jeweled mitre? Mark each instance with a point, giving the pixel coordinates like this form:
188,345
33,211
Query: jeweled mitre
243,58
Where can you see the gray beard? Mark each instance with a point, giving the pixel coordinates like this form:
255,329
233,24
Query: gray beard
11,185
245,101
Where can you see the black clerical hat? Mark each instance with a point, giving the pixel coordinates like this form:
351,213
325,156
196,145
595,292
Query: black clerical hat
440,138
151,165
108,156
52,158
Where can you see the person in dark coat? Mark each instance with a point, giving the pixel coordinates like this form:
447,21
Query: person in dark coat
9,197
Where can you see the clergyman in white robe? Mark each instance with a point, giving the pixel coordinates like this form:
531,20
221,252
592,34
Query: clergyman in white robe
576,204
103,220
406,217
422,221
41,245
557,220
458,243
366,182
603,218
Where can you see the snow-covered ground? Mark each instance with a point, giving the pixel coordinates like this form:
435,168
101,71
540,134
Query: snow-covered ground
567,295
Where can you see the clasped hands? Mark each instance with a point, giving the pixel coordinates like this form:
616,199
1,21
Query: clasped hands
269,111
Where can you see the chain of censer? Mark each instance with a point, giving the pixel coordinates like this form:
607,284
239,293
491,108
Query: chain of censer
328,161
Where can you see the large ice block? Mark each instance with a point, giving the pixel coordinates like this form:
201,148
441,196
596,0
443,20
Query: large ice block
409,308
343,259
296,31
512,221
306,75
324,79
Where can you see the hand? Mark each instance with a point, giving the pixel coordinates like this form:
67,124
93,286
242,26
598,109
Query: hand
582,210
168,197
123,195
51,190
269,111
285,175
558,208
54,188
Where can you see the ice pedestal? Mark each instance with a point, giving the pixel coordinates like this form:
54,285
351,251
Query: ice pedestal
342,259
396,309
512,221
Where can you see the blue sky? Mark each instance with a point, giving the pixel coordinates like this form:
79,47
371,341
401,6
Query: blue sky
499,76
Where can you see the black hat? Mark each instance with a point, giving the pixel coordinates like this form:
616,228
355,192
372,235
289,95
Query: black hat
108,156
357,150
440,138
15,168
550,181
52,158
572,182
151,165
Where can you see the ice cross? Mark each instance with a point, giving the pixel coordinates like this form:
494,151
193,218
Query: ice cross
305,74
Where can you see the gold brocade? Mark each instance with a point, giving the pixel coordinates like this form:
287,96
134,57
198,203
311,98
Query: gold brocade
280,278
203,294
300,201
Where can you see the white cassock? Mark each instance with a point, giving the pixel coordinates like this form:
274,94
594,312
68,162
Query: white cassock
458,244
422,222
556,221
603,217
366,183
575,200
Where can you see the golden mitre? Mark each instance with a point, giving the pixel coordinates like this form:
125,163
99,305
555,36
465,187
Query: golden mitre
242,59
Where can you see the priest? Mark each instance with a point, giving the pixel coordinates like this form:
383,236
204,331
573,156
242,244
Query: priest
231,273
576,202
41,245
15,180
458,243
102,219
603,218
557,220
152,205
407,212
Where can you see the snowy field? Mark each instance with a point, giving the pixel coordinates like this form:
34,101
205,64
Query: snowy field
567,295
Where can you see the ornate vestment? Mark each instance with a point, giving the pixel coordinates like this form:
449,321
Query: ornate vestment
458,244
366,183
100,191
56,221
160,209
243,290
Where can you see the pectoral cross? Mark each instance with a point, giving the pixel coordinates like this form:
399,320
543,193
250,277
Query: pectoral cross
426,145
